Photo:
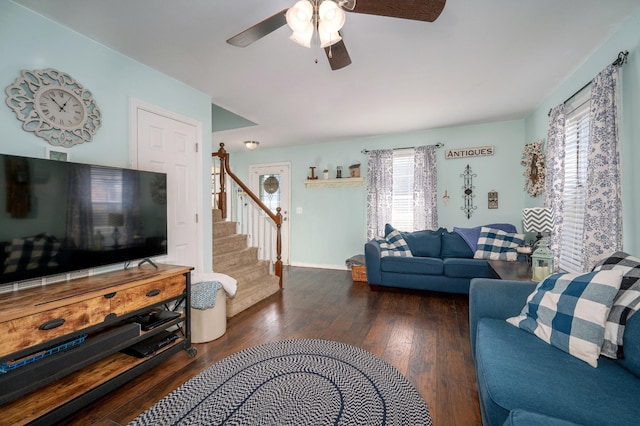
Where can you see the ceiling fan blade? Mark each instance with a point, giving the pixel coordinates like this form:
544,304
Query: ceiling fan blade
417,10
259,30
337,55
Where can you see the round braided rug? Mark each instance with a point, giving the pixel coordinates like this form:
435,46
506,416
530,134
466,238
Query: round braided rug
293,382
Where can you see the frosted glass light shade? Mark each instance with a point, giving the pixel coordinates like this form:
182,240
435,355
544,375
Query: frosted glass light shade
331,16
327,38
303,38
299,16
251,145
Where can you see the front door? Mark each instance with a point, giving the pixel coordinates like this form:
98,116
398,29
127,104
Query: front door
168,145
272,183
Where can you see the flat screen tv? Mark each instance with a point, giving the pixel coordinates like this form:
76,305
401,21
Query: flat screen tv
58,216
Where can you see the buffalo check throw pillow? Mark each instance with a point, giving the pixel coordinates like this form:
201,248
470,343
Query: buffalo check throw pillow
495,244
569,312
625,304
394,245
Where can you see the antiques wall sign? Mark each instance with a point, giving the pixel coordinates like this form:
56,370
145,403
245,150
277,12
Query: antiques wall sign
479,151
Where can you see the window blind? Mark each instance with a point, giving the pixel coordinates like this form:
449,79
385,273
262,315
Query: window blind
402,211
576,145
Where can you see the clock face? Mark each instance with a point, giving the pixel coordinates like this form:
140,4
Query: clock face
60,107
54,106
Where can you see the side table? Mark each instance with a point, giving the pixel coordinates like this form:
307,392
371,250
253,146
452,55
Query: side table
517,271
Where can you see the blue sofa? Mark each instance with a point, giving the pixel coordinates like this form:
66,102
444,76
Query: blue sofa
523,380
442,261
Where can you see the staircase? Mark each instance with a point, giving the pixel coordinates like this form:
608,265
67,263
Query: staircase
233,257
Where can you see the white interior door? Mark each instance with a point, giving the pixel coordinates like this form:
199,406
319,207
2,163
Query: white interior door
280,197
169,145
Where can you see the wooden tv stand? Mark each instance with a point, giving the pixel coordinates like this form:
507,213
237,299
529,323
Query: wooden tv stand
99,311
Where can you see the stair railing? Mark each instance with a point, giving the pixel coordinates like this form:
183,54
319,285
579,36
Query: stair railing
253,217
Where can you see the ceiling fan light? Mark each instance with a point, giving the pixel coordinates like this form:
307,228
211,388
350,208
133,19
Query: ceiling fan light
299,16
331,16
328,38
303,38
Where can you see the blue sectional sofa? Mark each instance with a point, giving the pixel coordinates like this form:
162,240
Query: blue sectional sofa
441,261
523,380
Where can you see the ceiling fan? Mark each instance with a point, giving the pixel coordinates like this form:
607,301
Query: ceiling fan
325,18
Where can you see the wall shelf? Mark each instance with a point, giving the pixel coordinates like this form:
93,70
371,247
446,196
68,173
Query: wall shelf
334,183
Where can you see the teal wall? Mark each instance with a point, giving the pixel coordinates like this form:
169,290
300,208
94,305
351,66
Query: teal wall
626,38
29,41
332,226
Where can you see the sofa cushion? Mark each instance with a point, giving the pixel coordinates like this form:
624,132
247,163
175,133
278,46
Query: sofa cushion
412,265
631,359
394,245
526,418
467,268
625,304
454,246
471,235
517,370
422,243
498,245
569,311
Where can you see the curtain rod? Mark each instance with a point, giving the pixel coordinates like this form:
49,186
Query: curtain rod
620,61
438,145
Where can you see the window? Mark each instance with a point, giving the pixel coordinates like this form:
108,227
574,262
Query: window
575,178
270,191
403,204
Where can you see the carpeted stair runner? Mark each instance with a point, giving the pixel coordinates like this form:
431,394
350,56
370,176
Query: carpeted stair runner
231,256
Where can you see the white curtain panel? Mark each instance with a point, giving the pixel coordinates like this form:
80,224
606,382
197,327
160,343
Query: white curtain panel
603,214
554,184
425,188
379,191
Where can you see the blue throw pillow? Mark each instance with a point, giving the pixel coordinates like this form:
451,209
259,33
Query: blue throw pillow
424,243
454,246
569,311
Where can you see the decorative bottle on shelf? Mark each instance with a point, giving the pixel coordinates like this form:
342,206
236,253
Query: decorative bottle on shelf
339,172
325,173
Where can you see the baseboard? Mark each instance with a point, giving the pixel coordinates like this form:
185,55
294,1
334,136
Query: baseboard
317,266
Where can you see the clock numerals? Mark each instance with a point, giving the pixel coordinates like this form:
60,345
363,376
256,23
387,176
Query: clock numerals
61,108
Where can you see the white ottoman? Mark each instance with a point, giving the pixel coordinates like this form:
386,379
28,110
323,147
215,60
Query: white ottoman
209,324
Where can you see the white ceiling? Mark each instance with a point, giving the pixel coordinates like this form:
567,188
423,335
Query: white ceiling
480,61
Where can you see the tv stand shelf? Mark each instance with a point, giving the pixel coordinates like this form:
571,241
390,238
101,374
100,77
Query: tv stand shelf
104,308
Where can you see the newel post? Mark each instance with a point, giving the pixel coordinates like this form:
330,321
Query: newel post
223,155
278,264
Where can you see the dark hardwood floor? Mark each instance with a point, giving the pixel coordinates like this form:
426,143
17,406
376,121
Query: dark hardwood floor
424,335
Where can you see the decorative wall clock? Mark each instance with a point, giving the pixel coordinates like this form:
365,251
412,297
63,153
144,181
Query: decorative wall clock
534,173
54,106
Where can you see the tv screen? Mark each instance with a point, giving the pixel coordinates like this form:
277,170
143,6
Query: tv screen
59,216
